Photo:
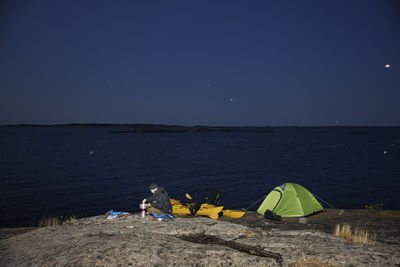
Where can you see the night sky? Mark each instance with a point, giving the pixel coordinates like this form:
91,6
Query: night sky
200,62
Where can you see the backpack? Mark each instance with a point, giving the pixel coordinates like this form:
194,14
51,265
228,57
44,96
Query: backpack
270,215
212,197
194,208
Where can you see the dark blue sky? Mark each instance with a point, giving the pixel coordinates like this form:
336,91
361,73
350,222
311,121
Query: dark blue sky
200,62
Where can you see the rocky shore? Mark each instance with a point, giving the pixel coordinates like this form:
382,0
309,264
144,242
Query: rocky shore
130,240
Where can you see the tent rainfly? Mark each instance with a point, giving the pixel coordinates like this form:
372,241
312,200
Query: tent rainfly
290,200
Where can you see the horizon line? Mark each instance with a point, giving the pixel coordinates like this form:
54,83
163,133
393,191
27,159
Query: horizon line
179,125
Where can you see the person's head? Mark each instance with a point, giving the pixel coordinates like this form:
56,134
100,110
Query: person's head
153,188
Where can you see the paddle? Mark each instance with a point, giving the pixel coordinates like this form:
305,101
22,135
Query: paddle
188,196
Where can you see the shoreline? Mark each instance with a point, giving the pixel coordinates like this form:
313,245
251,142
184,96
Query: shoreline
382,212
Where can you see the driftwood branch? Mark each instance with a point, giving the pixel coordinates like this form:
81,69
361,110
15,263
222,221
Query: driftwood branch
208,239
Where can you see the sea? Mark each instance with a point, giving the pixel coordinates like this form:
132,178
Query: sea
82,171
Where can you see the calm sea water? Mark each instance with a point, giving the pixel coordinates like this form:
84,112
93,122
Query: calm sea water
85,171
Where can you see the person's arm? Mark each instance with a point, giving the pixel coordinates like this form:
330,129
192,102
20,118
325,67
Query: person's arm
148,199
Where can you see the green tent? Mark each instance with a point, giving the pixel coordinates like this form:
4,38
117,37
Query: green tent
290,200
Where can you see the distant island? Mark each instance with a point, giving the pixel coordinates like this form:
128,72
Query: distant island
156,128
191,129
167,128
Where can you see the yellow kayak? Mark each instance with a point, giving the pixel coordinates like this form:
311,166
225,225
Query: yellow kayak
184,210
230,213
175,202
205,210
233,213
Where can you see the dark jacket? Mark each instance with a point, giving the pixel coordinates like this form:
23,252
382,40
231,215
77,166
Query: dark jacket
160,200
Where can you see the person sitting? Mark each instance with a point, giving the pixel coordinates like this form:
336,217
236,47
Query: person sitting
159,202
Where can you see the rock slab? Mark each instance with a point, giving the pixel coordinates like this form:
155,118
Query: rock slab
130,240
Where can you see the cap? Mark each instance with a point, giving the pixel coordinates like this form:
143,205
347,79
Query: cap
153,186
